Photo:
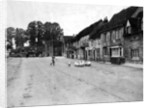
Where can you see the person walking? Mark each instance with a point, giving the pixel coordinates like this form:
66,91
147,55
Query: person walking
53,60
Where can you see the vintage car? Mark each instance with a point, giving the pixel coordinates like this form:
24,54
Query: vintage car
82,63
87,63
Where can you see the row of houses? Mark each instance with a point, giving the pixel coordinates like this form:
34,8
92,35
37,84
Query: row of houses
118,40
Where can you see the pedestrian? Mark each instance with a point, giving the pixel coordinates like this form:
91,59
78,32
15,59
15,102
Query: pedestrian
53,60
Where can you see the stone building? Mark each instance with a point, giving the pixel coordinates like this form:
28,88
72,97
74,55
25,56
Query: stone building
115,41
51,48
68,47
81,42
133,38
114,35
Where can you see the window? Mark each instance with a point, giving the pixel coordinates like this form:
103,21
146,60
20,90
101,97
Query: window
105,49
128,27
113,36
120,33
128,30
135,52
117,35
104,37
108,37
115,52
98,51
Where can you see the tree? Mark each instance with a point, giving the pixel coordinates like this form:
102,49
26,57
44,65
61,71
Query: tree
53,34
20,37
10,33
47,34
53,31
35,30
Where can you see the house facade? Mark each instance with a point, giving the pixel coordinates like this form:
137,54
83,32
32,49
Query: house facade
81,47
118,41
94,51
133,38
117,45
68,47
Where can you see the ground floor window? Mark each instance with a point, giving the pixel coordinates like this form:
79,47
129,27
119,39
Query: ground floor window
105,50
134,53
89,52
117,52
98,51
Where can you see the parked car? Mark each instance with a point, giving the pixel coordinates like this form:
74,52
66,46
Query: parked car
87,63
82,63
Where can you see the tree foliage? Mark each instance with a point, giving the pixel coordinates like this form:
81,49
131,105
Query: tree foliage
10,33
53,31
20,37
36,34
35,30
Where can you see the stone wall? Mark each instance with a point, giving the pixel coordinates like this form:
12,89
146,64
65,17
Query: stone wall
133,42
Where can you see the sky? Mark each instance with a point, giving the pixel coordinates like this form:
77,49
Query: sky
72,17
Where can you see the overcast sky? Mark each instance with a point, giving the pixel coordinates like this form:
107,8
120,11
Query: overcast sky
71,17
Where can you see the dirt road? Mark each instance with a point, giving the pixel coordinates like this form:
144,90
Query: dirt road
32,81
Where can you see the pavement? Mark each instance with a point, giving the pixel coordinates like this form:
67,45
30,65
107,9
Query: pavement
133,65
33,81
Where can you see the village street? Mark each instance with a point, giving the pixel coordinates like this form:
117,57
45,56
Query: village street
32,81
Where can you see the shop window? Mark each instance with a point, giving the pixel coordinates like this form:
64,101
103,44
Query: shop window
115,52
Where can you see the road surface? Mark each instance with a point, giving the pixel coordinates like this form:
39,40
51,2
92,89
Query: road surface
32,82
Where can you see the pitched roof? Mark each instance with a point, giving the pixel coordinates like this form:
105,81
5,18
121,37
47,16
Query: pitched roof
94,34
87,30
68,38
120,18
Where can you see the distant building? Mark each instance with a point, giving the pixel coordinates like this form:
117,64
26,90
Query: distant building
83,43
52,48
68,47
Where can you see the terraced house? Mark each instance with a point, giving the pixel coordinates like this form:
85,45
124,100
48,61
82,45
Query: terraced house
133,37
118,40
82,43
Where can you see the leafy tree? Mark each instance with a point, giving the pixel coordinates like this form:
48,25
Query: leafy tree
35,31
10,33
53,36
20,37
53,31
